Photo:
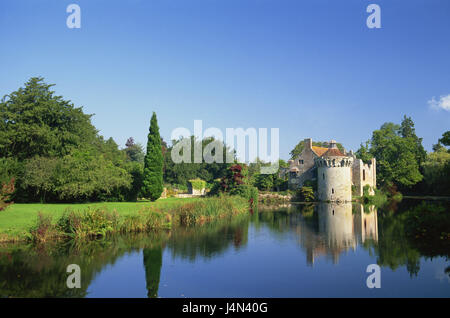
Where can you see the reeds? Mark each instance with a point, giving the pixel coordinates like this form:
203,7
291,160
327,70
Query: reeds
92,223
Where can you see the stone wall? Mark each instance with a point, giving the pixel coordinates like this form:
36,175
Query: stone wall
364,174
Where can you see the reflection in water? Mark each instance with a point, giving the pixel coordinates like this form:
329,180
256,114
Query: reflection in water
152,264
328,230
331,229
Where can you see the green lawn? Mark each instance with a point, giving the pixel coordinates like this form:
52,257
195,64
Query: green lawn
18,218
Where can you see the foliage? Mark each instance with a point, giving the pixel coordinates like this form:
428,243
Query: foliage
363,153
311,183
306,194
407,131
136,170
78,177
152,183
180,173
436,170
445,140
378,199
209,209
44,230
6,190
94,222
54,152
398,154
34,121
267,182
234,176
134,151
197,184
264,181
248,192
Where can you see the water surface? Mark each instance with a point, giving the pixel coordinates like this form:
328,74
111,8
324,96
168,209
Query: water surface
302,251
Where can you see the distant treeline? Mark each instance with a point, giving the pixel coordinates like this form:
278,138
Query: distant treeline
402,162
53,153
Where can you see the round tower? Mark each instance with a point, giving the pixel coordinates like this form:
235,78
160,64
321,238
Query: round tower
334,176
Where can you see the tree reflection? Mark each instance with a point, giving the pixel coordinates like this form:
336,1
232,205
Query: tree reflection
152,264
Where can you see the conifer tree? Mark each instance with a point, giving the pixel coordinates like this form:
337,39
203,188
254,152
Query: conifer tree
153,163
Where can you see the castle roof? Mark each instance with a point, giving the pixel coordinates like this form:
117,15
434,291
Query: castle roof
333,152
319,151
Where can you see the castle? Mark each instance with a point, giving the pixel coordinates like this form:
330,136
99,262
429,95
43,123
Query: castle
334,170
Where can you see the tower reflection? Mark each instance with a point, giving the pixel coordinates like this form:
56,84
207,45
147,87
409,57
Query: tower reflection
338,228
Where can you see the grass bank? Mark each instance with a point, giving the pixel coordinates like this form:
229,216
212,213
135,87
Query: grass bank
43,222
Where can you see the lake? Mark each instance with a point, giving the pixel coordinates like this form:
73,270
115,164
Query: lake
320,250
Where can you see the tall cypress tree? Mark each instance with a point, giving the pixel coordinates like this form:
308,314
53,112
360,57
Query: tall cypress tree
153,163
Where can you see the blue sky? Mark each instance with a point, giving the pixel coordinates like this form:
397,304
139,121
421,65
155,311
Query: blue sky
310,68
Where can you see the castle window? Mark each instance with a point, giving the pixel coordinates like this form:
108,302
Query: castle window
332,191
364,175
323,175
300,162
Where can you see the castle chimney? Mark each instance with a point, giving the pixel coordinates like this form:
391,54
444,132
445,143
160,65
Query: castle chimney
308,143
333,144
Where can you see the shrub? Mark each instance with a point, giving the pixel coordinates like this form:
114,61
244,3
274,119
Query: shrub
248,192
88,223
306,194
44,230
197,184
5,194
378,199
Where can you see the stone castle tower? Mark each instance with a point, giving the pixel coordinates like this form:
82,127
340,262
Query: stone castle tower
336,172
334,175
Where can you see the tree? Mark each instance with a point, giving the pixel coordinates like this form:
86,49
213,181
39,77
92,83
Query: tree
152,183
436,170
407,130
33,121
265,181
445,140
235,176
180,173
134,151
39,174
6,190
363,153
55,153
397,159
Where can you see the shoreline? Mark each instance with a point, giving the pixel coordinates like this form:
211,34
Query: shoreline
94,220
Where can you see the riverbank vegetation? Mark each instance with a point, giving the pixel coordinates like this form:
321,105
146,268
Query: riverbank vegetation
45,222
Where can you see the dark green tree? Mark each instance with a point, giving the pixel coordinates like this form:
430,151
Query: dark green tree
363,153
445,140
34,121
408,131
152,264
397,156
152,183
